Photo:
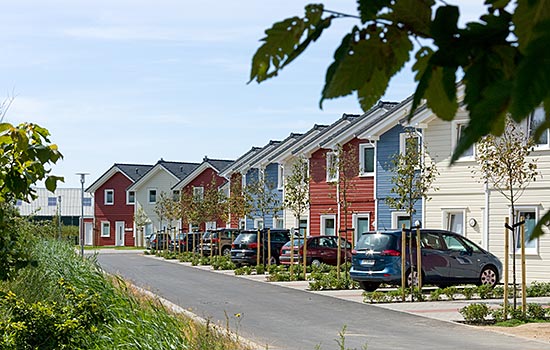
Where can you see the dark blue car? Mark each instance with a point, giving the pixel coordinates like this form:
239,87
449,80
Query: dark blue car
447,258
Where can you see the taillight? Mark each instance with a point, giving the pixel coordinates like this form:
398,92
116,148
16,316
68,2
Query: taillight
233,246
353,252
215,240
391,252
253,245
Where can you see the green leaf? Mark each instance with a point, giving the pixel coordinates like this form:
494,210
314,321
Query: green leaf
444,26
415,15
441,93
533,75
528,15
537,231
369,9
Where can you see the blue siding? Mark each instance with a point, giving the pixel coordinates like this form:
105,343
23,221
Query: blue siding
387,148
271,174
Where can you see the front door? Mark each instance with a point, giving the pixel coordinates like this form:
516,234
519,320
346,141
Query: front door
88,233
119,232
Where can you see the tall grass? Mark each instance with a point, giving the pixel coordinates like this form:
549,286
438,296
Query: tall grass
132,321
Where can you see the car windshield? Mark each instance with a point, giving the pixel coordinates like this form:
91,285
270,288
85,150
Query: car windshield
206,235
297,242
245,238
377,241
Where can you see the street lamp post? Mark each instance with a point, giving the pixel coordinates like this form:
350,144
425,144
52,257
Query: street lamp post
82,179
59,214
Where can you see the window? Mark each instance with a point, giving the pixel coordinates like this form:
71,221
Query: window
535,120
303,227
530,215
198,192
210,225
242,224
458,131
87,201
332,166
400,218
278,222
176,195
362,224
328,225
280,177
409,142
130,197
258,223
152,196
109,197
52,201
18,202
454,220
105,229
366,159
454,244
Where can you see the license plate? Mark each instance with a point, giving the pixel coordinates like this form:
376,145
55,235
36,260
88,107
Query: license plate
367,262
240,255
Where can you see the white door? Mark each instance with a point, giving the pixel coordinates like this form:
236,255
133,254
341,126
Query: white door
88,233
119,231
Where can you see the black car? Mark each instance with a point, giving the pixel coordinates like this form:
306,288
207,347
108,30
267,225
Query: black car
245,247
159,241
181,241
221,240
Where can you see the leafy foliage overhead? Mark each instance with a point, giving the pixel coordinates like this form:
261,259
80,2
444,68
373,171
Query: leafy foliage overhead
501,59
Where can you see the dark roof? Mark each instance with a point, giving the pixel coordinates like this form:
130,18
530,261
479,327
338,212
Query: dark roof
178,169
134,171
219,164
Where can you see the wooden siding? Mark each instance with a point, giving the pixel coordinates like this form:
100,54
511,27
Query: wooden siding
119,211
460,188
271,174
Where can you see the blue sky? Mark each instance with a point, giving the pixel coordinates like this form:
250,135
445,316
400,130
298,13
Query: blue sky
134,81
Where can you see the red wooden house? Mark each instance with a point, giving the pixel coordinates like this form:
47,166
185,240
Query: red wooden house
113,206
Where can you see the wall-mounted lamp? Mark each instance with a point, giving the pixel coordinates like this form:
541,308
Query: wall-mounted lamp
472,222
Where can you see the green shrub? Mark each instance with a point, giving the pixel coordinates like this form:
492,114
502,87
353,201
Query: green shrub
260,269
245,270
536,311
500,314
485,291
498,292
450,292
538,289
394,295
475,313
468,292
374,297
435,295
204,260
222,263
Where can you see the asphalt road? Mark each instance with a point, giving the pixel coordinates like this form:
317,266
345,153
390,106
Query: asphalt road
285,318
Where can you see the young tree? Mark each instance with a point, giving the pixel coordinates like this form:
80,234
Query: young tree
239,202
504,164
500,59
413,176
140,220
343,170
263,197
296,199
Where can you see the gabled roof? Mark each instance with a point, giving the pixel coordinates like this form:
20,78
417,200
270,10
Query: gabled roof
348,132
244,166
216,164
315,142
179,170
132,171
245,157
284,151
264,160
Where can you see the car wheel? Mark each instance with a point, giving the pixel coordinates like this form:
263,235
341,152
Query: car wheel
369,286
226,251
273,261
488,276
412,278
316,262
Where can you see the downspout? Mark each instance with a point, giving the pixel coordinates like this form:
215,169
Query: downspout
421,137
486,217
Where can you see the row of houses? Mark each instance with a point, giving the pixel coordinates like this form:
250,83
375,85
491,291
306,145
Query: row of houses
462,203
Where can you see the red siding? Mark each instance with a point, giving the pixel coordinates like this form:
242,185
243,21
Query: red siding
119,211
204,179
323,194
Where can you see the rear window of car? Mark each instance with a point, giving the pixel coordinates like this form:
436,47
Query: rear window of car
297,242
377,241
245,238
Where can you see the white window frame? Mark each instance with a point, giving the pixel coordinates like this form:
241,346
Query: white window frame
455,129
128,201
278,222
528,250
538,146
280,176
257,222
362,148
355,219
331,158
198,192
103,225
149,192
306,219
242,224
105,193
445,213
324,219
394,216
176,195
52,201
403,141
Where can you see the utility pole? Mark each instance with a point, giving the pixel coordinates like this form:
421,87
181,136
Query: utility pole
82,180
59,214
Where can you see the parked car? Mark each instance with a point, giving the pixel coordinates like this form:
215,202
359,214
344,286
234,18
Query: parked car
320,249
245,247
447,258
159,241
182,239
202,245
221,238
